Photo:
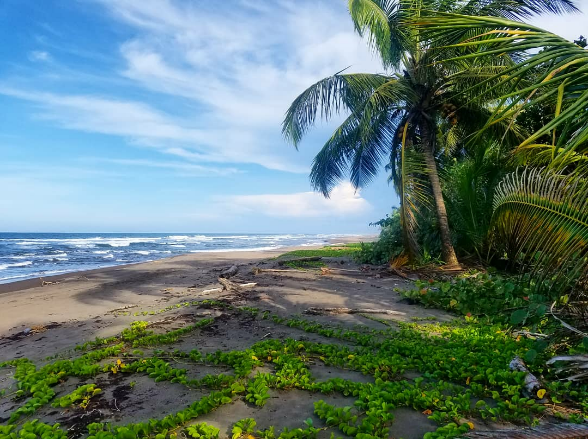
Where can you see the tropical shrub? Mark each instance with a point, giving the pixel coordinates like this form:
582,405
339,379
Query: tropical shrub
507,300
389,244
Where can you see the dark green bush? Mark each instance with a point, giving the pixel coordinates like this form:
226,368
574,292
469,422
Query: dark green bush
389,244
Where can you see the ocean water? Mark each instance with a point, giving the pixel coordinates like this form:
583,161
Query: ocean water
32,255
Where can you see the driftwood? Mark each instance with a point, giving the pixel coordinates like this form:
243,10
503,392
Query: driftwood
229,272
46,282
234,286
572,364
345,271
550,431
323,311
532,384
530,334
212,290
122,308
305,259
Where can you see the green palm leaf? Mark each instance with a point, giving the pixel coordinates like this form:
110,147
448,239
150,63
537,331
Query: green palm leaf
559,71
542,216
327,98
364,139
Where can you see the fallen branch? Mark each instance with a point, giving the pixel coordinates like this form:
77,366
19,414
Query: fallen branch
234,286
344,271
212,290
305,259
532,384
122,308
323,311
229,272
576,364
46,282
530,334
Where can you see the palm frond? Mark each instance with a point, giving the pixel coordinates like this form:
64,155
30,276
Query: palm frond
372,19
362,141
559,73
326,98
543,216
514,9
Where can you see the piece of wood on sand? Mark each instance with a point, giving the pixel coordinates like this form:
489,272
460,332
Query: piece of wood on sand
323,311
230,272
229,285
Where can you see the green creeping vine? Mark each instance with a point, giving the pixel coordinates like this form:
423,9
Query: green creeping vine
501,299
33,430
309,432
201,431
82,394
258,391
463,365
243,427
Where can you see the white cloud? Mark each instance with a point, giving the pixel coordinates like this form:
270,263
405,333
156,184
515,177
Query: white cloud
236,68
186,169
146,126
39,56
344,202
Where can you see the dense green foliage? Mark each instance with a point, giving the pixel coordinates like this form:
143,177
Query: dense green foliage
388,246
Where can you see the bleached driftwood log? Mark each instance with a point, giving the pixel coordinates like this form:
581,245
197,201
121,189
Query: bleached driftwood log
234,286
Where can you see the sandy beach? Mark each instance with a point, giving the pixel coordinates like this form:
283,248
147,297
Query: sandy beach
41,321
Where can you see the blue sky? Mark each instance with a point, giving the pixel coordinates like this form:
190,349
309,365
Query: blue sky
164,115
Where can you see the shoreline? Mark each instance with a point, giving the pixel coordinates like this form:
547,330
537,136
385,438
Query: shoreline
33,282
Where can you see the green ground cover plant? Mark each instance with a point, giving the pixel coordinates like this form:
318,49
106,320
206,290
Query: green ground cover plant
463,366
344,250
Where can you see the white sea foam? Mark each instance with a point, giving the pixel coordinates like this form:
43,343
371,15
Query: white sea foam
25,256
142,252
12,278
18,264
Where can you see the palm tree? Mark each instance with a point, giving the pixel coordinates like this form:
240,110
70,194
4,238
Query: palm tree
397,115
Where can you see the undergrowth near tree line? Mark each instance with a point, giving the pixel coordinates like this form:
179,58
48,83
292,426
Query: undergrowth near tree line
503,300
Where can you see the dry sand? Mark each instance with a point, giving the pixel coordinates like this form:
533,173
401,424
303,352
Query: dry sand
37,321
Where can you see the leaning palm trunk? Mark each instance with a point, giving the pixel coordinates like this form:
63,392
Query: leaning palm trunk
448,253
